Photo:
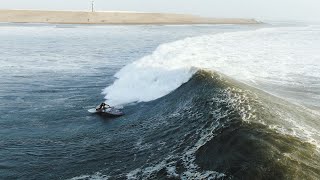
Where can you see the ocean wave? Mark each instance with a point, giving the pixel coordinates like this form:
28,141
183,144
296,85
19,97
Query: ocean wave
204,101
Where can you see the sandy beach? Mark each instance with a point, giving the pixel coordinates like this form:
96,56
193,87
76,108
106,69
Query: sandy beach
111,17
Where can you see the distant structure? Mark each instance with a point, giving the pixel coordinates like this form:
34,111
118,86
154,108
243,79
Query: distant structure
92,6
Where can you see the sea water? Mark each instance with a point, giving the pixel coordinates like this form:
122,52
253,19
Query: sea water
52,74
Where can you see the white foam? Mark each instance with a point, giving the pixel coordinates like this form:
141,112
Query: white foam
96,176
188,157
273,55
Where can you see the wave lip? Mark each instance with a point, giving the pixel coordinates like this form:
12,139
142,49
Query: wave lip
138,83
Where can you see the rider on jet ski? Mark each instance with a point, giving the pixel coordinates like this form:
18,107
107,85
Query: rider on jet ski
102,106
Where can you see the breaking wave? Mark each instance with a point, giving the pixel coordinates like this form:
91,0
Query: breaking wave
204,111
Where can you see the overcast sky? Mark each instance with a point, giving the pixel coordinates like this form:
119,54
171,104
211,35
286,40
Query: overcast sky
308,10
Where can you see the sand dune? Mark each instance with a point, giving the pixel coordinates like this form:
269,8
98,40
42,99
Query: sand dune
110,17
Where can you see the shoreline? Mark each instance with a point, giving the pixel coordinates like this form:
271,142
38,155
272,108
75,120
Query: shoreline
111,18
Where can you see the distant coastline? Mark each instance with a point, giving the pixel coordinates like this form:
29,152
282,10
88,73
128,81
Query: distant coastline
111,17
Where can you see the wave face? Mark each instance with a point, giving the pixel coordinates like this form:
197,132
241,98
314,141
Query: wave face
265,58
215,127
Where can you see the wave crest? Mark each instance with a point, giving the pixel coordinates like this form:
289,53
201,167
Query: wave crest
274,55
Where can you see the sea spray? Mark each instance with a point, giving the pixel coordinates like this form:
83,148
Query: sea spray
273,56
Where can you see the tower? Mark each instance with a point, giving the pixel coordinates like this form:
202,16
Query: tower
92,6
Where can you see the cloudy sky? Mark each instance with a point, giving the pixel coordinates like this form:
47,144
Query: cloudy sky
260,9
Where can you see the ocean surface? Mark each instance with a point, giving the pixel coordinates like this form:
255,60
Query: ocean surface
200,102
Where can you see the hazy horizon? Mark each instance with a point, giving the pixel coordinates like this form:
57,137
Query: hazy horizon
300,10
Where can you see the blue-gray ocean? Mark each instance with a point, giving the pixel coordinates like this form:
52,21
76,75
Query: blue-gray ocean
200,101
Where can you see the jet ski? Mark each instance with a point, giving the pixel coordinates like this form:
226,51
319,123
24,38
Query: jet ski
111,111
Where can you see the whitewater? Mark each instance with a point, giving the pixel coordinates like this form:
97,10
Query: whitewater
282,60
